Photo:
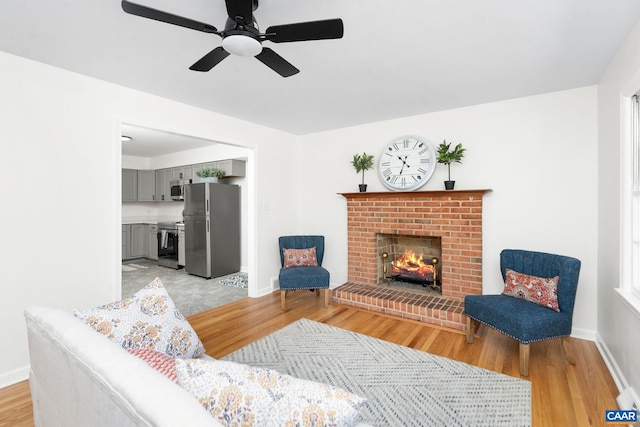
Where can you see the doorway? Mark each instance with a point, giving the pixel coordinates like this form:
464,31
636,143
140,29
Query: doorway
150,149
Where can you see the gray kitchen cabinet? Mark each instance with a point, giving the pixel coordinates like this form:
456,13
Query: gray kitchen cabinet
136,239
146,185
138,185
153,241
155,185
129,185
133,241
196,168
183,172
125,242
211,165
163,185
232,167
145,240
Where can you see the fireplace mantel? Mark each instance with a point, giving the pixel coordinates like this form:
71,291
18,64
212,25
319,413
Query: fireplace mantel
386,194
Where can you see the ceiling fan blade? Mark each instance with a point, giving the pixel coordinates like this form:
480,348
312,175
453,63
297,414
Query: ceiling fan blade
276,62
158,15
242,8
210,60
314,30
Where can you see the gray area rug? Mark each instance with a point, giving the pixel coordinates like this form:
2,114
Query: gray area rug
192,294
404,387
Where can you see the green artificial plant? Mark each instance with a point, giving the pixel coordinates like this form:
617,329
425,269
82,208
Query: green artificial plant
446,155
362,162
210,172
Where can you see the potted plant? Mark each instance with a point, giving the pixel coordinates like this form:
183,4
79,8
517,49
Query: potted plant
210,174
446,156
362,162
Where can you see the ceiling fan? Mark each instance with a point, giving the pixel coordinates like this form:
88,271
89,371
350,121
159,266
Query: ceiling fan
242,37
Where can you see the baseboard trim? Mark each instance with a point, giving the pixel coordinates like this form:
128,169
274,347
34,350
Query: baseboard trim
583,334
628,397
614,369
13,377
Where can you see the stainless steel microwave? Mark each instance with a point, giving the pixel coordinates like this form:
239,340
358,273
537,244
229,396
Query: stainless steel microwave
177,188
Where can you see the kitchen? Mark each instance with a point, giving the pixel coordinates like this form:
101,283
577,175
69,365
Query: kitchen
153,235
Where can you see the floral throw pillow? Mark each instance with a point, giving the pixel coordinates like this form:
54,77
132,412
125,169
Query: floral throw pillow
237,394
300,257
540,290
148,320
162,363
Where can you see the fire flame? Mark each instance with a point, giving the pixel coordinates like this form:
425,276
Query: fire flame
412,263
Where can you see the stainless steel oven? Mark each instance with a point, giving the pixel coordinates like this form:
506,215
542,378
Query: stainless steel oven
168,244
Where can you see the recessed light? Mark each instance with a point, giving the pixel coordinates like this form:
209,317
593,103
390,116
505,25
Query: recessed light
125,138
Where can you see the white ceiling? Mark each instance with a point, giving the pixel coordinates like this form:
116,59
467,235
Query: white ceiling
397,58
147,142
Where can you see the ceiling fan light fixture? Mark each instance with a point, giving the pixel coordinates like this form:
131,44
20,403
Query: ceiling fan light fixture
241,45
241,35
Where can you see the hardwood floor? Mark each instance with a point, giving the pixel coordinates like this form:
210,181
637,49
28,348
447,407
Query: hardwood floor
562,395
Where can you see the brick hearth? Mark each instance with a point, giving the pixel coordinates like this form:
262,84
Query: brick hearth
454,216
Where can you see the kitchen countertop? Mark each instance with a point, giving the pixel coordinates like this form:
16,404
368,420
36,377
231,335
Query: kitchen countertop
149,220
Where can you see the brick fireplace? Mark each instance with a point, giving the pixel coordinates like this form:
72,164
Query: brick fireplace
455,217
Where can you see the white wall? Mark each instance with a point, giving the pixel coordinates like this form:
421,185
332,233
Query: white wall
618,323
61,143
538,155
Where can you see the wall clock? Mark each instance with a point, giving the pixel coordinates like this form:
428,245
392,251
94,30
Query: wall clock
406,163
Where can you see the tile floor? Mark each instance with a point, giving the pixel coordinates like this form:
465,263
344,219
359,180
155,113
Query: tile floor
192,294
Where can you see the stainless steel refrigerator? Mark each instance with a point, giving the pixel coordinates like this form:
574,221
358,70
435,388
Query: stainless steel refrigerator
211,229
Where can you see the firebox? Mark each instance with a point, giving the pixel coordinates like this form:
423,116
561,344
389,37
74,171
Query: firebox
410,259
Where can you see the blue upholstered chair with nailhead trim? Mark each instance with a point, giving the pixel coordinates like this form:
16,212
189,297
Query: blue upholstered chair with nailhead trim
312,277
522,320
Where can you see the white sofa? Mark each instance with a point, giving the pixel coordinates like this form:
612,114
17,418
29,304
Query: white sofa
81,378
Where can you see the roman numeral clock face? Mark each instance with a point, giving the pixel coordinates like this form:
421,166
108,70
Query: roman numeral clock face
406,163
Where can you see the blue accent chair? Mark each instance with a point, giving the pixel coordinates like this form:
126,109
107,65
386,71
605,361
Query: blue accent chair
522,320
303,277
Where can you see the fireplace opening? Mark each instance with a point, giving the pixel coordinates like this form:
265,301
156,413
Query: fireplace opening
413,268
413,260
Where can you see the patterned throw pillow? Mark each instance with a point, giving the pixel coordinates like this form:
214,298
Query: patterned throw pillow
237,394
148,320
300,257
159,361
543,291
